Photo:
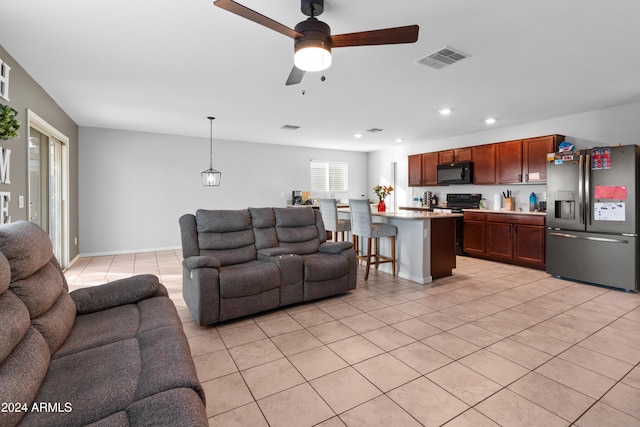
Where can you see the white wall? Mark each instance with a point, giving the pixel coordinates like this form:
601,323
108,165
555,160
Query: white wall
611,126
134,186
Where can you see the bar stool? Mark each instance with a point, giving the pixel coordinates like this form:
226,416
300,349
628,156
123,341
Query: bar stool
362,226
329,211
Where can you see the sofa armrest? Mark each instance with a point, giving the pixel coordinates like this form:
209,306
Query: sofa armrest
200,261
129,290
268,252
334,247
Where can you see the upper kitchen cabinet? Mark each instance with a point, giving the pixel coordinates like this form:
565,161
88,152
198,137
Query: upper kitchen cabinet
455,156
535,152
484,164
423,169
509,162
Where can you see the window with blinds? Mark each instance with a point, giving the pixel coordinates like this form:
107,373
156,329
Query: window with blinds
328,176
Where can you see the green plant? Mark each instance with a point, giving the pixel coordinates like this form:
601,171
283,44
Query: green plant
382,191
9,125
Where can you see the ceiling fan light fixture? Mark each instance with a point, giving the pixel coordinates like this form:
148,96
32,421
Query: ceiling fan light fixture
312,58
313,51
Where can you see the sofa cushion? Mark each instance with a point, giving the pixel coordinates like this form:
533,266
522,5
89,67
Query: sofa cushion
318,267
226,235
296,229
22,243
247,279
264,223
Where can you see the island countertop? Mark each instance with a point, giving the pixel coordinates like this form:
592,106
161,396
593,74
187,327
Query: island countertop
406,214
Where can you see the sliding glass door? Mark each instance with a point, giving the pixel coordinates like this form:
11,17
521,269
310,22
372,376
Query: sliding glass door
48,172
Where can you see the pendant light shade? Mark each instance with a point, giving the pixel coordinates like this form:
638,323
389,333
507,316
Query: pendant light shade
211,177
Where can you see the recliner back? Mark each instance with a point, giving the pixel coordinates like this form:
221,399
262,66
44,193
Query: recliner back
226,235
299,229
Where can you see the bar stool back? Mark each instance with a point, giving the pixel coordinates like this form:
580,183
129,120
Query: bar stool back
363,226
329,211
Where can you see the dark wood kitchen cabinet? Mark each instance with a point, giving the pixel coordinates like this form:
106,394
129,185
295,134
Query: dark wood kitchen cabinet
506,237
534,161
423,169
455,156
484,164
509,162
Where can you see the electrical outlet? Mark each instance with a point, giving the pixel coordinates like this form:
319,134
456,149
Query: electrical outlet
20,202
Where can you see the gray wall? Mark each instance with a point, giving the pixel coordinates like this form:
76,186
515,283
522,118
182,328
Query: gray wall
610,126
134,186
25,93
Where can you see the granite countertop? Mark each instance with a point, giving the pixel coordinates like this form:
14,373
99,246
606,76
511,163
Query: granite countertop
406,214
516,212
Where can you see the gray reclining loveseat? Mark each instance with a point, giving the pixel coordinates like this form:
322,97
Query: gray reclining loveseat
108,355
241,262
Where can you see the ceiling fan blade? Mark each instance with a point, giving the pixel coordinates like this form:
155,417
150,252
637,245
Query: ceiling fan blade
295,76
252,15
397,35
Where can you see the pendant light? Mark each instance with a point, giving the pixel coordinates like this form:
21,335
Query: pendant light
211,177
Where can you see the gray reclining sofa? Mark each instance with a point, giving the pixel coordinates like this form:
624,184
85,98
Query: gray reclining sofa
241,262
109,355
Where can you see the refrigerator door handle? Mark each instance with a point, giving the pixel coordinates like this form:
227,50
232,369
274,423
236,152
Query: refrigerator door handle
581,188
587,190
595,239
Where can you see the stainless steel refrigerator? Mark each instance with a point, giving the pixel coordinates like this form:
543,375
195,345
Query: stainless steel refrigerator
592,216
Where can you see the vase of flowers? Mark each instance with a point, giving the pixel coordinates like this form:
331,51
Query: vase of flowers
382,191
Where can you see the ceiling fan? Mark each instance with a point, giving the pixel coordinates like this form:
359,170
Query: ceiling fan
313,40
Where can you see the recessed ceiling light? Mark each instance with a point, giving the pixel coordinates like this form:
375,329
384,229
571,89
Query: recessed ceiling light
490,121
357,135
445,111
398,140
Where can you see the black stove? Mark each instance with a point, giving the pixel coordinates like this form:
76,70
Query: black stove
456,202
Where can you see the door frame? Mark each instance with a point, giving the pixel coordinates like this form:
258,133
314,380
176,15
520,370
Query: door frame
41,125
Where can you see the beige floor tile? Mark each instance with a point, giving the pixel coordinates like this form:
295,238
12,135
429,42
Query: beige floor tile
435,303
450,345
317,362
255,353
597,362
331,331
414,309
386,372
214,365
362,323
553,396
247,415
586,311
205,343
296,342
390,315
441,320
279,326
501,327
633,378
519,353
341,310
367,304
355,349
427,402
299,406
230,392
388,338
464,383
619,299
483,306
494,367
344,389
421,357
611,348
578,378
509,409
463,313
379,412
541,342
624,398
271,378
471,418
553,329
245,333
312,317
331,422
601,415
631,339
476,335
416,329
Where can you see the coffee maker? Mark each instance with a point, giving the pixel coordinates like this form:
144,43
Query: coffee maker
296,197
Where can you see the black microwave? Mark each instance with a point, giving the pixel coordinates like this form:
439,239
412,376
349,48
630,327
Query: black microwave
455,173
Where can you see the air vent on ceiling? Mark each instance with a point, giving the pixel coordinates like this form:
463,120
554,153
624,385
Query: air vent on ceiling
443,57
290,127
375,130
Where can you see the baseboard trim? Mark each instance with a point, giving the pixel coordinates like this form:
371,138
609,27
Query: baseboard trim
129,251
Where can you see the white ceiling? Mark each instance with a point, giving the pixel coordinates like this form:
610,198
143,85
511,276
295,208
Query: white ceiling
163,66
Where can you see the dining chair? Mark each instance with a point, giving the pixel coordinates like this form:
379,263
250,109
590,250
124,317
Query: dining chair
363,226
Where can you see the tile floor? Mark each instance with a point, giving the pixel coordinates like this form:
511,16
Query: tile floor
491,345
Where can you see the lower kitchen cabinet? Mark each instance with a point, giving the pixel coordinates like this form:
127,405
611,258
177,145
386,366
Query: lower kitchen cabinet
507,237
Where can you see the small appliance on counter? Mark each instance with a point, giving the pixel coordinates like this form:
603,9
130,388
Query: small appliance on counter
296,197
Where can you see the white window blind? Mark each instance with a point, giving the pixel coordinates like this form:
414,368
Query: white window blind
328,176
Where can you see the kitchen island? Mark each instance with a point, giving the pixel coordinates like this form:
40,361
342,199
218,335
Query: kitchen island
426,243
